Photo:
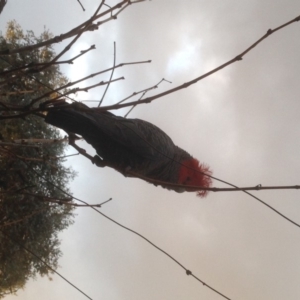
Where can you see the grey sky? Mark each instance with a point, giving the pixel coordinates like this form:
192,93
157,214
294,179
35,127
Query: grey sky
243,121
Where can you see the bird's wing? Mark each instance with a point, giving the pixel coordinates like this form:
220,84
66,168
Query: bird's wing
140,137
137,136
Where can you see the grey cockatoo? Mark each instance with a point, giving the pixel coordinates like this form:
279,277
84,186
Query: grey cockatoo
133,147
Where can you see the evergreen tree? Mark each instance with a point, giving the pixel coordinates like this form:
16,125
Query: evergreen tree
31,175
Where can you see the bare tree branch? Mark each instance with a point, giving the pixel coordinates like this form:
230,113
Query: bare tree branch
111,75
187,84
74,31
143,94
81,5
33,68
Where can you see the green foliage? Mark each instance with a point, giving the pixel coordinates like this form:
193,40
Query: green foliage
28,174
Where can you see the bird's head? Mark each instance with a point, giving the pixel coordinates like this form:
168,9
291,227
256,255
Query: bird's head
191,173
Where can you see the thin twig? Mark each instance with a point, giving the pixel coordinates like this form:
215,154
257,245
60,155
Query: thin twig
111,75
69,84
255,188
33,68
66,86
142,91
71,33
33,78
62,157
78,35
23,218
62,201
143,94
81,5
73,91
85,89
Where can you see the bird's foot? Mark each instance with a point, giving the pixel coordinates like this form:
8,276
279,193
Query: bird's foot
127,171
98,161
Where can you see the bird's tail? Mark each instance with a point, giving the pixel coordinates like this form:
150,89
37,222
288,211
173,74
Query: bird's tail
71,118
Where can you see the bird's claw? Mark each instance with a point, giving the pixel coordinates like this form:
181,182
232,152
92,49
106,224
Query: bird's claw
98,161
127,171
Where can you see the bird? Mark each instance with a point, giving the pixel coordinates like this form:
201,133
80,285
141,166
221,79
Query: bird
133,147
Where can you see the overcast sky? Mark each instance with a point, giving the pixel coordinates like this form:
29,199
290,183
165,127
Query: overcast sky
243,121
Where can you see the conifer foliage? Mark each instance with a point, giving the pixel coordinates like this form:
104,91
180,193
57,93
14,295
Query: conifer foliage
32,174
